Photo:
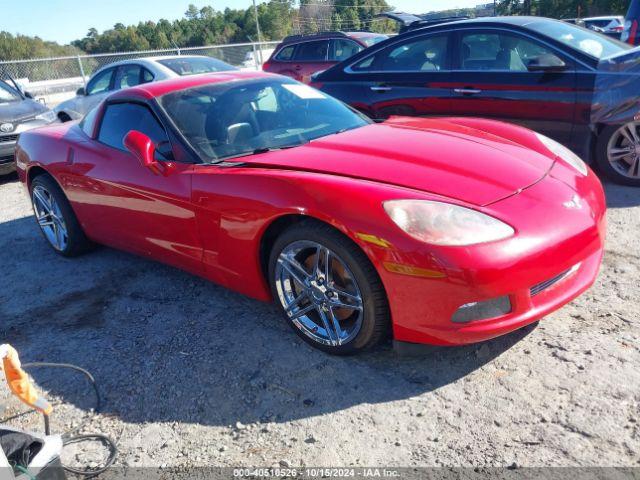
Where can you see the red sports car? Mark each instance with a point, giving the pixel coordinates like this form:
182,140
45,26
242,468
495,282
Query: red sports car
441,231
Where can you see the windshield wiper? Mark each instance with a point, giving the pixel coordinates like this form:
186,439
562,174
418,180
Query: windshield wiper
256,151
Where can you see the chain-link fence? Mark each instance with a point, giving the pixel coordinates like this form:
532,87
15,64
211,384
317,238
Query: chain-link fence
54,79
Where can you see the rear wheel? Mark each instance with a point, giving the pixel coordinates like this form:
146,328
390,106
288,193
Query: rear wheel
56,219
618,153
328,290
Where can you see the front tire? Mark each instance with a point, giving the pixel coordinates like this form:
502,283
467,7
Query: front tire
56,219
327,289
618,153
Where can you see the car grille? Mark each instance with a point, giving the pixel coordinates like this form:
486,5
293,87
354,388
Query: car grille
8,138
6,159
542,286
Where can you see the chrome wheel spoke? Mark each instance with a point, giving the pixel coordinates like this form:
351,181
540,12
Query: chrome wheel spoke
44,202
634,168
632,133
302,311
293,267
331,326
339,304
295,302
346,299
619,153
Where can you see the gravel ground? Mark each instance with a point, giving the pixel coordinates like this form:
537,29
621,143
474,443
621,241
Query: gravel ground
194,374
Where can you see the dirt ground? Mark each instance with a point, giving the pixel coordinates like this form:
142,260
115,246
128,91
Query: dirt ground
193,374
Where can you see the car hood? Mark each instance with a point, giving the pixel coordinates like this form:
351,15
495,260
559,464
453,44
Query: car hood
16,112
434,156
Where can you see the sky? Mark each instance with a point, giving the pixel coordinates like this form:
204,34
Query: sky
66,20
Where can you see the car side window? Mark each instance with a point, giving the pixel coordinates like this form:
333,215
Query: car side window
120,118
100,83
286,54
423,54
147,76
88,123
312,51
498,51
127,76
341,49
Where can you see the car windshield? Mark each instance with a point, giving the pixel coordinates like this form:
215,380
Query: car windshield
195,65
238,118
8,94
586,41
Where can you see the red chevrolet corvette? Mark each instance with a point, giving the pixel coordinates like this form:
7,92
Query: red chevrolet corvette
441,231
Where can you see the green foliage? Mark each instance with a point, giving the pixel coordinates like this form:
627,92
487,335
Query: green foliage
21,46
207,26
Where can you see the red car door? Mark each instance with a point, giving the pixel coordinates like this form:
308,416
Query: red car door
124,204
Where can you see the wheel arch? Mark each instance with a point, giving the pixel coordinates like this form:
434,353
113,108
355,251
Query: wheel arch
36,171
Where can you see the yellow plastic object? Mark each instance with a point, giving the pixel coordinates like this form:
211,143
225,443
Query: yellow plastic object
18,380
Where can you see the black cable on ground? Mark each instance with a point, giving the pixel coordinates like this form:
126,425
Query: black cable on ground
68,438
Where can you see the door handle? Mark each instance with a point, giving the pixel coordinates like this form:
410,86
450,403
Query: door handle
298,67
380,89
467,91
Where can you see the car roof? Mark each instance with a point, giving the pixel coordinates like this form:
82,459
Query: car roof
516,21
151,62
365,34
157,89
172,57
327,35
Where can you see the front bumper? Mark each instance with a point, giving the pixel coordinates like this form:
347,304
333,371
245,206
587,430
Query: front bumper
7,158
8,143
552,242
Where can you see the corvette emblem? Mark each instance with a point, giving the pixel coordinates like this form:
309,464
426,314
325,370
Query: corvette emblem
6,127
574,203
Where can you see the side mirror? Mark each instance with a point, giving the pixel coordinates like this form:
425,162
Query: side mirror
546,63
143,149
28,95
81,92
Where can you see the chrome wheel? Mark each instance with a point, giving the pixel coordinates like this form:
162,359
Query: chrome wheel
49,217
319,293
623,150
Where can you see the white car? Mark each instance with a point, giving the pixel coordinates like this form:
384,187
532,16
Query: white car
128,73
610,25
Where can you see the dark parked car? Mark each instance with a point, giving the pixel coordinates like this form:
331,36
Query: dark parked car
300,56
564,81
18,113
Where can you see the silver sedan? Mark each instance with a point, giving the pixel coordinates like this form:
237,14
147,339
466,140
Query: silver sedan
128,73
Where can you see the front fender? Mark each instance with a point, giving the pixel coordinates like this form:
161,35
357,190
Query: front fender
235,207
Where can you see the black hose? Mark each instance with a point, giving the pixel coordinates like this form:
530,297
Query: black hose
72,367
67,437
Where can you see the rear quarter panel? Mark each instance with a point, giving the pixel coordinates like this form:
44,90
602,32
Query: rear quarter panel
47,148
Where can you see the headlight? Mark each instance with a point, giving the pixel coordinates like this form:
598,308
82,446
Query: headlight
48,116
564,153
445,224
